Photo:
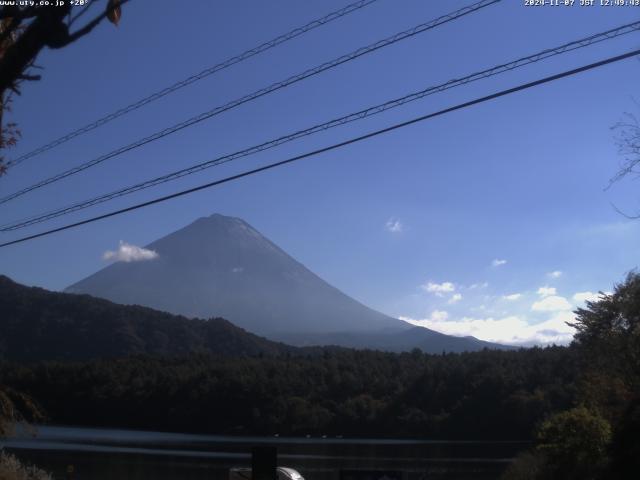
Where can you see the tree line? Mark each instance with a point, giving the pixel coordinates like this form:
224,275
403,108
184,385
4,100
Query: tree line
579,405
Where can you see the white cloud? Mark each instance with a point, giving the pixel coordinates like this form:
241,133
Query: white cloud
512,329
456,297
555,274
552,303
585,297
498,262
129,253
513,297
546,291
439,289
439,316
435,317
589,296
478,285
237,269
394,225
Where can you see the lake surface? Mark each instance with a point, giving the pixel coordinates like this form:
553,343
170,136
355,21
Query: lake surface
103,454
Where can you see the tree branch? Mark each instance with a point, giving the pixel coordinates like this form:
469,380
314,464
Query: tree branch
92,24
12,11
9,28
82,12
626,215
46,28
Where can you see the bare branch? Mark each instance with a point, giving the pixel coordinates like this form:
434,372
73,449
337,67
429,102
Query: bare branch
30,77
92,24
82,12
626,215
47,29
628,141
21,42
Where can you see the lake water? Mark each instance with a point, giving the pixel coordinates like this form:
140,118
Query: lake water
103,454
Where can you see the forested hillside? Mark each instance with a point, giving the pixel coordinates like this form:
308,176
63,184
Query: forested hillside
579,405
490,394
36,324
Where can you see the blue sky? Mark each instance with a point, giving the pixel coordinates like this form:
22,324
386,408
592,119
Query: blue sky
410,223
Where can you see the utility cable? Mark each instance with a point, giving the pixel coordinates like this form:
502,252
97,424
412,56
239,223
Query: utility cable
335,146
257,94
370,111
194,78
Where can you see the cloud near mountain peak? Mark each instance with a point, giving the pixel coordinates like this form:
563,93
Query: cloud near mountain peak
129,253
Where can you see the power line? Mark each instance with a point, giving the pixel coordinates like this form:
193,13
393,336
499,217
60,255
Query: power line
370,111
335,146
196,77
259,93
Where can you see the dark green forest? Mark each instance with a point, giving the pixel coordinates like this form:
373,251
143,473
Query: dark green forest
490,394
578,405
37,325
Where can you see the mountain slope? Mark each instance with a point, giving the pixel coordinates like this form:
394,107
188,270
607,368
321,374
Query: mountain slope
36,324
221,266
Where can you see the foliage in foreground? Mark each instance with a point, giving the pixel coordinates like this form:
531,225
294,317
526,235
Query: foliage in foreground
575,443
12,469
600,437
16,407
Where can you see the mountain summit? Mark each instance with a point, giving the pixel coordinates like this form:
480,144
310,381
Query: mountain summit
220,266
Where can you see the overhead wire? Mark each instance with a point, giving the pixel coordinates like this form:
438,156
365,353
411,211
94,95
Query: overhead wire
459,13
359,115
334,146
296,32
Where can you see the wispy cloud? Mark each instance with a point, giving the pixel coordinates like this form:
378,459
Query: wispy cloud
436,316
513,329
439,289
439,316
528,316
455,298
498,262
394,225
546,291
129,253
513,297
